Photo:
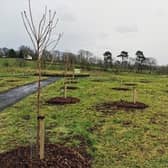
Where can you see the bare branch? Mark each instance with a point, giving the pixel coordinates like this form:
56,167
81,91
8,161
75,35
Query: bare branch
39,27
31,18
59,38
50,22
25,25
44,21
56,43
30,26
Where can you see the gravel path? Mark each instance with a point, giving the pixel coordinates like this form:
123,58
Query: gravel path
14,95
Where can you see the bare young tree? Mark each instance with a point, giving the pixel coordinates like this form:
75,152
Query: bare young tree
42,38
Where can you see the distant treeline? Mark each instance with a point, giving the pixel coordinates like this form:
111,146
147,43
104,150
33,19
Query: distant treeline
87,60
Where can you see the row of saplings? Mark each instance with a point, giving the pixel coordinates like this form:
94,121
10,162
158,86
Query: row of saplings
44,155
52,155
49,155
112,107
58,155
67,80
126,104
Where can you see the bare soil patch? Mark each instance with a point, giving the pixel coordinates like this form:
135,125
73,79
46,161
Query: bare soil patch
62,100
111,107
13,80
100,80
121,89
71,87
74,82
56,156
71,81
130,84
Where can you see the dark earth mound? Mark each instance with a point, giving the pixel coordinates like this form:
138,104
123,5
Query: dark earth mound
111,107
71,81
71,87
100,80
121,89
74,82
130,84
13,80
62,100
56,156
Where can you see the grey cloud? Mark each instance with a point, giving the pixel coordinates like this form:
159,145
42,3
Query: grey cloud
67,17
126,29
103,35
160,12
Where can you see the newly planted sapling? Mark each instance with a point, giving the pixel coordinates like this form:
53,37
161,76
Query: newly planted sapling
41,36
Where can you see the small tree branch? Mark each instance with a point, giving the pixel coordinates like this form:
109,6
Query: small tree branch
30,36
29,24
31,18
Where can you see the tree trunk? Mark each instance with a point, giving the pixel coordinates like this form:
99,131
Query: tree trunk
40,118
134,95
65,76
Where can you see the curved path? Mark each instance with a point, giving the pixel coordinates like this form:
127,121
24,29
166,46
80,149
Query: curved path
14,95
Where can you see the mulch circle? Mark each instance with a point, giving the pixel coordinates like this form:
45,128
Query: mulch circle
100,80
56,156
121,89
97,80
62,100
73,82
111,107
71,87
13,80
130,84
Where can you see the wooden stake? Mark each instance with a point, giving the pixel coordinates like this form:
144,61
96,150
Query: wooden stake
134,95
65,89
73,68
41,136
65,78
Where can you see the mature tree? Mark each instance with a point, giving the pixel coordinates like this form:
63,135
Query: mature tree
83,57
12,53
41,38
124,56
140,58
107,59
150,63
5,51
1,52
25,51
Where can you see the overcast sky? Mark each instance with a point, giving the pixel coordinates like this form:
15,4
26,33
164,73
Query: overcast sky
96,25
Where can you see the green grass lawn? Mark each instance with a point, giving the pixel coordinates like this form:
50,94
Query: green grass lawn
125,139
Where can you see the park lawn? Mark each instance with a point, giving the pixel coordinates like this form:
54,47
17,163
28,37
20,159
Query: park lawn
126,139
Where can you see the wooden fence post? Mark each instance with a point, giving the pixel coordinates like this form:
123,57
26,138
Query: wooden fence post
134,95
41,136
65,89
